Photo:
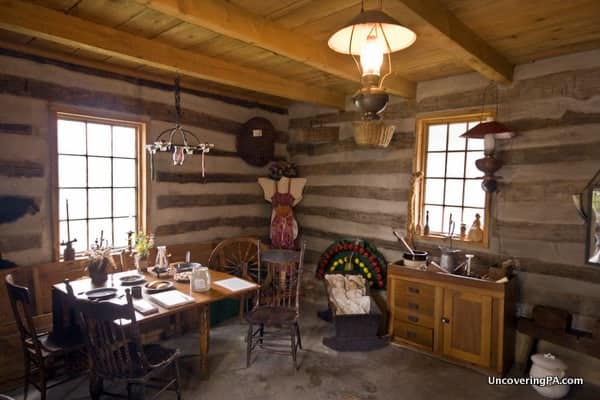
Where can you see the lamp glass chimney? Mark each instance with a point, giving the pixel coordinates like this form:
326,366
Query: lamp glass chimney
371,56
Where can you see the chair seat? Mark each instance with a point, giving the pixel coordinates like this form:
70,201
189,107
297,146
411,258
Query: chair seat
270,315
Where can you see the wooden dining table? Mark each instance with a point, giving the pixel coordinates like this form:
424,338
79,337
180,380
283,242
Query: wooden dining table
62,326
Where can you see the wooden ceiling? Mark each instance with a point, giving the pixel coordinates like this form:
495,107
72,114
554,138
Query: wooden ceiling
275,52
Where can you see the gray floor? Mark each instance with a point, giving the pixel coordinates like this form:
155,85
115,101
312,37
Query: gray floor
389,373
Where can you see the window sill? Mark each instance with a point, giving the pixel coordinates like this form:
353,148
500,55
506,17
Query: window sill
444,241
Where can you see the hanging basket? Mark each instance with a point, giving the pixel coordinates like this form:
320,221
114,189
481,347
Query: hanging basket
373,133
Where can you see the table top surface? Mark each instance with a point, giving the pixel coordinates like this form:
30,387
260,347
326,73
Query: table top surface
216,292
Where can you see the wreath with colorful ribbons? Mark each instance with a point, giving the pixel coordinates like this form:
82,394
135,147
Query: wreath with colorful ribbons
357,255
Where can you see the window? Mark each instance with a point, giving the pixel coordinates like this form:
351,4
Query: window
99,175
451,183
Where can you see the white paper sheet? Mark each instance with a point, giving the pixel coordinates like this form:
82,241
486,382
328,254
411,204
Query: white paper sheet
235,284
171,298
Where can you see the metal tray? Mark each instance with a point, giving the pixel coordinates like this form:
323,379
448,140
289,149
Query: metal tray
134,279
101,293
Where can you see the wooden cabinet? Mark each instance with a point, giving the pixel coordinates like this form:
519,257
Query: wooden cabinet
463,319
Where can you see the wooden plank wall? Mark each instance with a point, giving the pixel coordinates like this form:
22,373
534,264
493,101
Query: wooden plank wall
554,105
182,207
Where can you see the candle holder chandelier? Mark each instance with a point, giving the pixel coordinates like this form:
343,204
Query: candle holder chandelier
166,140
370,36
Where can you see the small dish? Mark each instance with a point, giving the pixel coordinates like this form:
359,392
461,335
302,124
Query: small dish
134,279
183,277
158,286
101,293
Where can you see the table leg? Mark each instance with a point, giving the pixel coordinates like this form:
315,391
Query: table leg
204,318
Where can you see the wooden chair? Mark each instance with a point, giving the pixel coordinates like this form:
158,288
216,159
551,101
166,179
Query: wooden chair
116,352
42,357
274,318
239,257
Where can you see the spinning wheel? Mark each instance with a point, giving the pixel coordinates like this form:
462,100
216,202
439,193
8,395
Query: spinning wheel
239,257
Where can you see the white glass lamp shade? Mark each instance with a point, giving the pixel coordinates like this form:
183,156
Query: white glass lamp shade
371,57
351,39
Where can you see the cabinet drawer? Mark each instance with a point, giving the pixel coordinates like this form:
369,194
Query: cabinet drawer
415,334
412,317
414,289
415,304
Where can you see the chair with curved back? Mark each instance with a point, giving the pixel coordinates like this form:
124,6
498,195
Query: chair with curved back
239,257
116,352
41,356
274,318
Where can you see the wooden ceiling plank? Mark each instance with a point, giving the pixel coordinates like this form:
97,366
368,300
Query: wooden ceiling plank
472,50
227,19
111,67
47,24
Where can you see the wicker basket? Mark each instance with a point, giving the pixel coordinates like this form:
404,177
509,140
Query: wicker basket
373,133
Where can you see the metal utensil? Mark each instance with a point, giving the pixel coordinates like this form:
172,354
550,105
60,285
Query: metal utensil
400,238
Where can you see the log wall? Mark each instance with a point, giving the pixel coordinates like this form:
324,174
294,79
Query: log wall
183,207
555,106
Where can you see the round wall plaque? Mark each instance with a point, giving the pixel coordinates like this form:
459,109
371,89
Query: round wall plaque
255,142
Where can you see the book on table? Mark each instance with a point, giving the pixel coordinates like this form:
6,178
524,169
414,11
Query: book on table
171,298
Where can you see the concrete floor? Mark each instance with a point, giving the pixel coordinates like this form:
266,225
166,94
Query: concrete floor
388,373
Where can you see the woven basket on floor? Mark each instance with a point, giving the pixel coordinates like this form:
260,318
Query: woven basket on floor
373,133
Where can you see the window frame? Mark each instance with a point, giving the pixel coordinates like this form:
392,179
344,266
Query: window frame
417,211
142,178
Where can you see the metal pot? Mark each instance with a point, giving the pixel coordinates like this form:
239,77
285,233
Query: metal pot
415,260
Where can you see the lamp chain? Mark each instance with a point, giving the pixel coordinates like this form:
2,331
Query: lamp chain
177,102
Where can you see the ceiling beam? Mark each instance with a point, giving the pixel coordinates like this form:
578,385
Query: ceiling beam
230,20
469,47
40,22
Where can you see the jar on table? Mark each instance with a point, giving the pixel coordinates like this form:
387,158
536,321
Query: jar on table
200,279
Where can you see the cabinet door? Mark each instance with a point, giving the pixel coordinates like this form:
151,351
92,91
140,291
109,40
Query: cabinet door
467,322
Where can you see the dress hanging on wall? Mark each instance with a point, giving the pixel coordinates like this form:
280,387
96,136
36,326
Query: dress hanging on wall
283,195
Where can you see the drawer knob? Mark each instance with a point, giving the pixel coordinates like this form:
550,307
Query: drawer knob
412,318
445,320
413,306
413,290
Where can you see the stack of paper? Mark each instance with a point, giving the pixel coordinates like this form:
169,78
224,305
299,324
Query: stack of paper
171,298
144,307
235,284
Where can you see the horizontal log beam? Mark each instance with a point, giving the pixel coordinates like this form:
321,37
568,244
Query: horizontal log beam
193,177
143,78
18,169
354,167
533,191
57,27
205,224
15,129
25,87
207,200
391,220
400,140
358,192
332,236
26,241
558,233
551,154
